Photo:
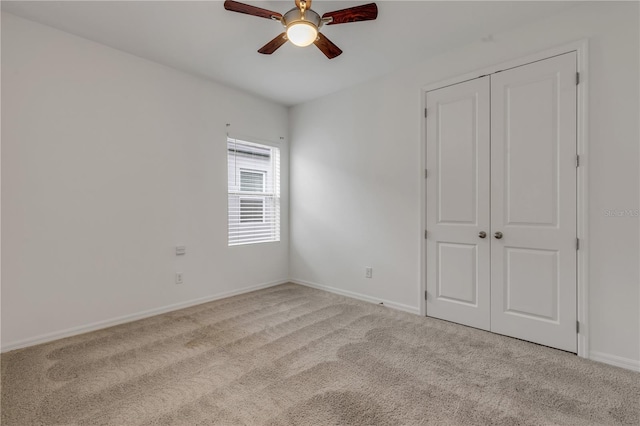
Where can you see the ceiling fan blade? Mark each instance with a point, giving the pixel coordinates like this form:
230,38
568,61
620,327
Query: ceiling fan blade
235,6
274,44
327,47
366,12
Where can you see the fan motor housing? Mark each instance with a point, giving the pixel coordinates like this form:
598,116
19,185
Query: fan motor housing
295,15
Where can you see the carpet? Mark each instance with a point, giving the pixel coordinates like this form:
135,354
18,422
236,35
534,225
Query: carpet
291,355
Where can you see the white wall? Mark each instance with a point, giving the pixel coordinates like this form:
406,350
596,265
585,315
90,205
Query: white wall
356,173
108,162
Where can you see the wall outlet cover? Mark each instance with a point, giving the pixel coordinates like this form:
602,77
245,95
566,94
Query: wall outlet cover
369,272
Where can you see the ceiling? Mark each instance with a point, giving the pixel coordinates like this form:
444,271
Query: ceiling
202,38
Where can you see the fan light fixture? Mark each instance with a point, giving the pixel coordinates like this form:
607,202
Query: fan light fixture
302,24
302,33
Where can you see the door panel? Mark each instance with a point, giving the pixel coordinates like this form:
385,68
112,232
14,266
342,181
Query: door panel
533,147
456,166
531,283
458,200
457,273
533,202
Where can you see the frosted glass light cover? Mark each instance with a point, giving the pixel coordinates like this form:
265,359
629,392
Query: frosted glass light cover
302,34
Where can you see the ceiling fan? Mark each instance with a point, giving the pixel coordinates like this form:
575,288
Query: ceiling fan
302,24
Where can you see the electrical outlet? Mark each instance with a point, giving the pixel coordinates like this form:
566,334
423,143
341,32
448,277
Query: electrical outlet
368,272
179,278
181,250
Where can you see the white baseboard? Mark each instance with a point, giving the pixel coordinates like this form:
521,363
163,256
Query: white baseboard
44,338
626,363
399,306
618,361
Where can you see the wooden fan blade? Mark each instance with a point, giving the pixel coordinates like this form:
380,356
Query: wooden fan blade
366,12
274,44
327,47
235,6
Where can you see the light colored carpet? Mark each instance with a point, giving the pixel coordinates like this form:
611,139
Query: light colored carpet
290,355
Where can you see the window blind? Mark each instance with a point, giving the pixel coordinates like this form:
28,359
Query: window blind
254,192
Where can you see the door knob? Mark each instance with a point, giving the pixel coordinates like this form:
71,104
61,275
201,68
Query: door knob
498,235
482,234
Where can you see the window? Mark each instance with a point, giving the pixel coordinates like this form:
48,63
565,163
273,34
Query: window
254,192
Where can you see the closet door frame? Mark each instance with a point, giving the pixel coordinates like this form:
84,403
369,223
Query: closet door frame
581,48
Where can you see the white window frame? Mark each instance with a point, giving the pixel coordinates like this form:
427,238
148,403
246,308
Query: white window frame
269,229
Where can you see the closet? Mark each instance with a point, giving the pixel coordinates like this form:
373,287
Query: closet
501,202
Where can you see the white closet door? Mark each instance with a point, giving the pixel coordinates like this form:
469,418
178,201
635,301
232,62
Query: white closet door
533,197
458,200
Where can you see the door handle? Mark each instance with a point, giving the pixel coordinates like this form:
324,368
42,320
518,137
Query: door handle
482,234
498,235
